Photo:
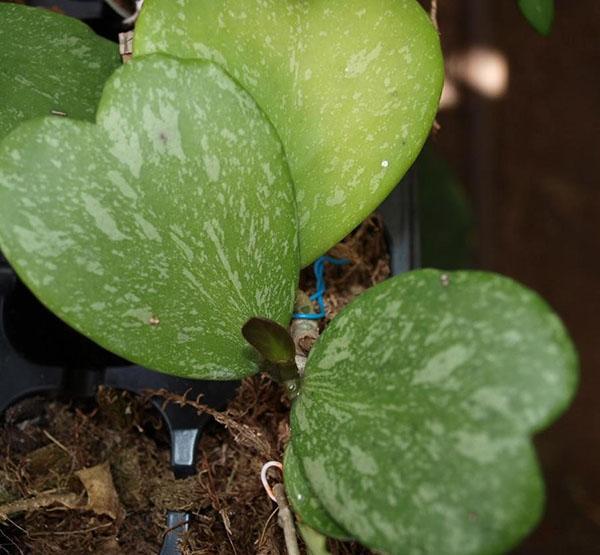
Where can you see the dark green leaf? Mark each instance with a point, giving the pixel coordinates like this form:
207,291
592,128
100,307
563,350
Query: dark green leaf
277,350
445,218
413,423
161,229
49,62
270,339
305,503
540,13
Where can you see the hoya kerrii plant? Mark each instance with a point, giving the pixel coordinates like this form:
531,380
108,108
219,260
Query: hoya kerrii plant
243,140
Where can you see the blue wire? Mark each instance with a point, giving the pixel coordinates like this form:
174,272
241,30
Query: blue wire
319,270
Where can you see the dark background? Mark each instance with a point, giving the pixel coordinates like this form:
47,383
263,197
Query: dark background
530,162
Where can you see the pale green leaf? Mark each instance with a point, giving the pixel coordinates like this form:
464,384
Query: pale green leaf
352,87
414,420
161,229
316,544
49,62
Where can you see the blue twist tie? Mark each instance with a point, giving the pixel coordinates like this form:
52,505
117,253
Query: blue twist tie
319,270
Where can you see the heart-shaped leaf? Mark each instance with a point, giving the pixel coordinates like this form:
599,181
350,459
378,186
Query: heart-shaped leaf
413,422
352,87
160,230
303,500
49,62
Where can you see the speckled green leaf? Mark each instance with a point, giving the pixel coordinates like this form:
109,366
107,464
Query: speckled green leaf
49,62
161,229
539,13
414,420
351,86
304,502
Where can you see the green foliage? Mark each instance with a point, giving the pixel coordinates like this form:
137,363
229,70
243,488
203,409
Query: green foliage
414,418
539,13
352,88
304,501
142,231
170,224
316,544
49,62
275,347
270,339
445,219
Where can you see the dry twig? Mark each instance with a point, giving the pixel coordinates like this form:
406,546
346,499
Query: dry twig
286,520
45,499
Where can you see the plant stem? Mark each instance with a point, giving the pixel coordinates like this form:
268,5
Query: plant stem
286,520
285,374
304,332
433,14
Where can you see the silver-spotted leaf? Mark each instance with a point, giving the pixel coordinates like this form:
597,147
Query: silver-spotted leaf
352,88
50,62
161,229
303,500
413,423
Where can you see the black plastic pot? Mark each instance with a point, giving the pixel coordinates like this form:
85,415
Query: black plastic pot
401,223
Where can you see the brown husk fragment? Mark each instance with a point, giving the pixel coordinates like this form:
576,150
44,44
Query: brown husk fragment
102,498
121,443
